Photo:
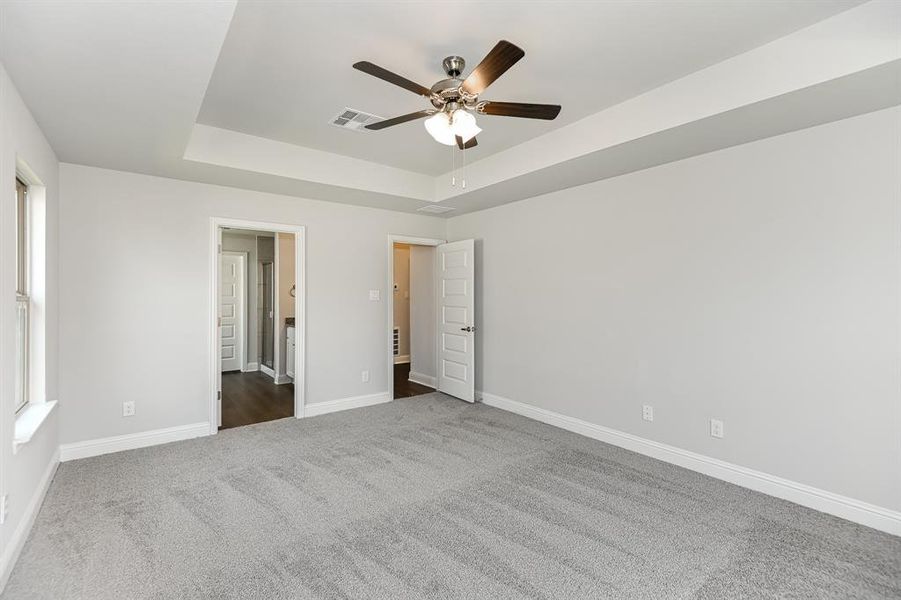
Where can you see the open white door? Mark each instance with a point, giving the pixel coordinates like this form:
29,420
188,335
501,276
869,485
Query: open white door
231,311
456,319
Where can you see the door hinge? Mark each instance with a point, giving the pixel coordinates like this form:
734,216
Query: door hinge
219,395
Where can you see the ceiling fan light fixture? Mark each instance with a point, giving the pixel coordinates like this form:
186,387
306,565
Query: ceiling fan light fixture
464,125
439,127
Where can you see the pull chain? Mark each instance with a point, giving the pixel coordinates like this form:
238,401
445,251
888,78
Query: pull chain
453,166
463,176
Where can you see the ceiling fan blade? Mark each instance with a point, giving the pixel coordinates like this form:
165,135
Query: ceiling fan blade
548,112
385,74
472,142
503,56
401,119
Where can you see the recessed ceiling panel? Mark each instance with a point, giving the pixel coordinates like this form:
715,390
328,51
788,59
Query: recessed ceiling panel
285,69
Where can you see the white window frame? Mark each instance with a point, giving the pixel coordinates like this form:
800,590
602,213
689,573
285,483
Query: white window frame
23,300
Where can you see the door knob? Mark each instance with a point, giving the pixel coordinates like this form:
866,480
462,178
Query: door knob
467,329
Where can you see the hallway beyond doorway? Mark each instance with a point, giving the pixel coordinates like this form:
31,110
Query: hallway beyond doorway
249,398
403,387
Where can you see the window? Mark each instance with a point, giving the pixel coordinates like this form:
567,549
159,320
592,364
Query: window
23,301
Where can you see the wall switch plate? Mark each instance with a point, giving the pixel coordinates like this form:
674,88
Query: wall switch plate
716,428
365,376
375,295
128,408
647,413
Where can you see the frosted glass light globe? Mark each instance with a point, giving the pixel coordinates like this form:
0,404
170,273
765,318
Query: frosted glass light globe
439,127
464,125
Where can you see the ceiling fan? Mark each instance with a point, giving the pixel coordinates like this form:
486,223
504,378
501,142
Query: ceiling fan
451,120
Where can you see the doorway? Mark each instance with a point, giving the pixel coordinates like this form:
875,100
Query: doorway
432,316
413,337
257,362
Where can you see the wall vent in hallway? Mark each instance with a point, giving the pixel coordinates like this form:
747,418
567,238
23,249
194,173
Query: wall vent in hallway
396,341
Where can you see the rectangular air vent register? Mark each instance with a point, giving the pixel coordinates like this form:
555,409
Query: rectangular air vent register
354,119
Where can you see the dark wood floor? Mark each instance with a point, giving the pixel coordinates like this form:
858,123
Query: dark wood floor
403,387
249,398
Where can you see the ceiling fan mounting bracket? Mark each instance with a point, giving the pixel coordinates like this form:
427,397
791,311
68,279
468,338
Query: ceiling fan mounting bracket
453,66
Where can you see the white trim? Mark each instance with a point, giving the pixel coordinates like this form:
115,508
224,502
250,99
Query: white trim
300,278
130,441
389,305
268,371
17,540
282,379
421,379
857,511
29,421
277,321
415,241
321,408
251,367
402,359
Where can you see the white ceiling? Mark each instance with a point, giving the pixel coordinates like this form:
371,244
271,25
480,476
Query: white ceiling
240,93
285,67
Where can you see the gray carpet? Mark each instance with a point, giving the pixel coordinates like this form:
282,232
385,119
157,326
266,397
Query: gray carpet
428,497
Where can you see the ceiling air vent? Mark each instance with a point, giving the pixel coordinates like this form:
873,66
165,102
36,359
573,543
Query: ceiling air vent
354,119
435,209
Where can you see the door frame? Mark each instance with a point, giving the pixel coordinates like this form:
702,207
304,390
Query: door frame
300,308
413,241
245,260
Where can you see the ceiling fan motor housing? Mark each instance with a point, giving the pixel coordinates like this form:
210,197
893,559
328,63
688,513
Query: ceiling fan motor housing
448,93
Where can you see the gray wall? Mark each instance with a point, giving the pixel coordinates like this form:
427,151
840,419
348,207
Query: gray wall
423,307
21,472
143,305
757,284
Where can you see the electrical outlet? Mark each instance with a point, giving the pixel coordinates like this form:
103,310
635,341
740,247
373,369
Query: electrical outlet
365,376
716,428
128,408
647,413
375,295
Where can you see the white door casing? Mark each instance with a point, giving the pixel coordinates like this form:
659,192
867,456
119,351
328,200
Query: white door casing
214,369
456,319
231,310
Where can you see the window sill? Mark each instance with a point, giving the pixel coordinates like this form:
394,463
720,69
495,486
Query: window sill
29,421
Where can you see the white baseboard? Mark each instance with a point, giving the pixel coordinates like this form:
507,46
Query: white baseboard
864,513
131,441
321,408
251,367
402,359
283,379
17,540
423,379
267,371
